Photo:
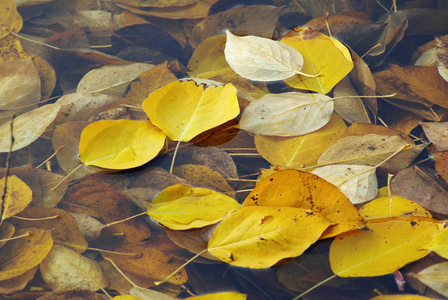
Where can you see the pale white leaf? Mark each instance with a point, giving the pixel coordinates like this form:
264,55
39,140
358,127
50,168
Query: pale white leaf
262,59
357,182
287,114
64,269
28,127
111,79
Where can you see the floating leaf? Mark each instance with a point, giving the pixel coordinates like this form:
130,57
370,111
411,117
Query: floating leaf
300,151
258,237
9,18
442,56
322,55
295,188
220,296
261,59
28,127
439,243
120,144
181,207
287,114
435,277
18,196
386,246
22,254
183,109
437,133
357,182
64,269
16,284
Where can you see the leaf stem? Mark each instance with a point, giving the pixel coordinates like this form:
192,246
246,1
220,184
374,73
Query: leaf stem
174,157
314,287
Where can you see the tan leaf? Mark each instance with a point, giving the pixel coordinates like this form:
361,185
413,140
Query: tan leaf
437,133
442,56
435,277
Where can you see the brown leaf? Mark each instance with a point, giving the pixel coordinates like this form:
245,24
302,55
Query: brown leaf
47,76
437,133
48,180
6,231
18,283
442,56
11,49
72,295
89,227
351,109
441,164
415,184
64,228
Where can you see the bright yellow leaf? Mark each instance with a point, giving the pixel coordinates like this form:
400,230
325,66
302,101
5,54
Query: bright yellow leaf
394,206
184,109
322,55
120,144
124,297
401,297
9,17
439,243
386,246
18,196
181,207
220,296
295,188
258,237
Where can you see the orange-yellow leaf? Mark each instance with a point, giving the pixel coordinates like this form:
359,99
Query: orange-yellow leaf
184,109
9,17
19,255
258,237
18,196
120,144
386,246
295,188
181,207
322,55
220,296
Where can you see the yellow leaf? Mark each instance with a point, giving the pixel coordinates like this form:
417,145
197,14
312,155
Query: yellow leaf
124,297
258,237
287,114
220,296
22,254
295,188
301,151
181,207
401,297
439,243
261,59
386,246
322,55
18,196
183,109
394,206
120,144
9,17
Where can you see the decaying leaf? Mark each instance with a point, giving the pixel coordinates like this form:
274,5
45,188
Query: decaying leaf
323,56
287,114
261,59
388,245
12,285
181,207
357,182
259,236
120,144
182,110
64,269
437,133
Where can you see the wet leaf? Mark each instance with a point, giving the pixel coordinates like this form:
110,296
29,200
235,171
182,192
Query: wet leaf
351,108
437,133
442,56
439,244
357,182
258,237
287,114
6,231
28,127
16,284
120,144
191,107
299,189
386,246
18,196
10,17
11,49
322,55
149,294
441,164
220,296
23,254
435,277
48,180
261,59
300,151
371,149
181,207
64,269
89,227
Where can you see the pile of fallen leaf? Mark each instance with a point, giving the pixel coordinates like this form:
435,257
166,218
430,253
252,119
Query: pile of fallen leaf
213,149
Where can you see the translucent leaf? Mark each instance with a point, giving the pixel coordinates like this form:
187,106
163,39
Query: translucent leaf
183,109
18,196
287,114
181,207
386,246
300,151
120,144
439,243
295,188
64,269
322,55
258,237
262,59
357,182
436,277
22,254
